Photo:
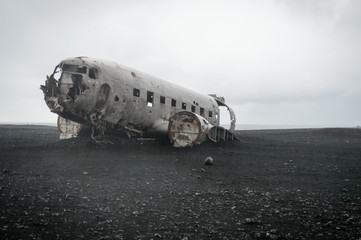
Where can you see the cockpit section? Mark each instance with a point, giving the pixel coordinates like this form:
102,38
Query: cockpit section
74,79
70,87
69,79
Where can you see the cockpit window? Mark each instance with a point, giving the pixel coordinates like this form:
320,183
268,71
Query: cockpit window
93,73
74,68
57,73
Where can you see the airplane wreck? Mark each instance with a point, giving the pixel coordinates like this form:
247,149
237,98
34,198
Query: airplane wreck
107,97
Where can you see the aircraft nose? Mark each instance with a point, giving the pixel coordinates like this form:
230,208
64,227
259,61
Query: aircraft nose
50,89
51,94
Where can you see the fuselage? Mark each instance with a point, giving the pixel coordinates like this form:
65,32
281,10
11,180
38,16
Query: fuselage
86,90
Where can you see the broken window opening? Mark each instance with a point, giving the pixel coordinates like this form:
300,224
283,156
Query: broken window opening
93,73
81,69
78,87
57,73
136,92
184,106
193,108
162,99
150,97
74,68
174,103
210,114
116,98
201,112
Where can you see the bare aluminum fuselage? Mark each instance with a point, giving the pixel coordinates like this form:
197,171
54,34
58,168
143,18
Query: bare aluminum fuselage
97,92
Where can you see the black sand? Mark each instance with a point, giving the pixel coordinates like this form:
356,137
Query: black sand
273,184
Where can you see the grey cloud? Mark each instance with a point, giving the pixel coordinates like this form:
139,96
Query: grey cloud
272,62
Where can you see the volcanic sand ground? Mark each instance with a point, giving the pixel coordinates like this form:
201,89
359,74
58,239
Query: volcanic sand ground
272,184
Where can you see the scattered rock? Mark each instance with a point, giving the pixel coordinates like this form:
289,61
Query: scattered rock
157,235
250,221
208,161
247,237
257,235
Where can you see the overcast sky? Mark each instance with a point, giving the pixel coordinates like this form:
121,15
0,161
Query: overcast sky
275,62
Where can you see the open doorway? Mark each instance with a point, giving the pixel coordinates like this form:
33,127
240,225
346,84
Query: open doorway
224,120
227,116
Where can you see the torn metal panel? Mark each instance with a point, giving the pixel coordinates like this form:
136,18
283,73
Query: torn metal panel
68,129
218,133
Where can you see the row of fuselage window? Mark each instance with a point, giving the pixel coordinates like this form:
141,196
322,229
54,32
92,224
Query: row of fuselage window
150,101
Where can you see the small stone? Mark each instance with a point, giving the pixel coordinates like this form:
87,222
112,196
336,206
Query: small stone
249,221
350,220
273,236
329,223
208,161
257,235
